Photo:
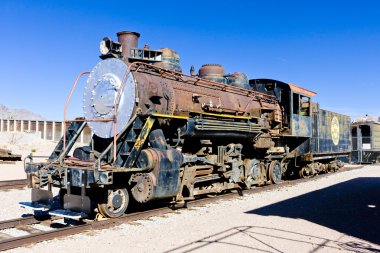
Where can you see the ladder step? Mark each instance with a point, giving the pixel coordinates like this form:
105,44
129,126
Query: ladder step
125,154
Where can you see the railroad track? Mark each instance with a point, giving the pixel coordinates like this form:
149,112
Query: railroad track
12,184
33,230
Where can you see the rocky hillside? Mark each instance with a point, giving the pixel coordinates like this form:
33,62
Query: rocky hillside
24,114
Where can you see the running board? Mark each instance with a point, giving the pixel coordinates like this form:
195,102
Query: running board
34,206
68,214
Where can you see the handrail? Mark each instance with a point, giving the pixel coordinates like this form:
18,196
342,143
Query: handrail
67,105
127,71
216,84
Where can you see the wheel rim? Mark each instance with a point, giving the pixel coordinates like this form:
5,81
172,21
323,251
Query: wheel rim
275,172
116,202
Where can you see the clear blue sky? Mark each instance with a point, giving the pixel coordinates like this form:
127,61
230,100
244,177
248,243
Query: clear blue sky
330,47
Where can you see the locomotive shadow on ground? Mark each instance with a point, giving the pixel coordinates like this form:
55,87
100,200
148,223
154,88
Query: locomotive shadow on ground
351,207
261,238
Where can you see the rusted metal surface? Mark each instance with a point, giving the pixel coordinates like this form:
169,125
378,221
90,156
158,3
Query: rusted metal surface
128,40
213,72
163,93
301,90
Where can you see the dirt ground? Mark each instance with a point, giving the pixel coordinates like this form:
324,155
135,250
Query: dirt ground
337,213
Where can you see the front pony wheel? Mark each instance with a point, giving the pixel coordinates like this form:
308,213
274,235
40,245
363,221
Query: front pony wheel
113,202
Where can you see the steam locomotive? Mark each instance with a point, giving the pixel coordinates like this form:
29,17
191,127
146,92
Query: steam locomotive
161,134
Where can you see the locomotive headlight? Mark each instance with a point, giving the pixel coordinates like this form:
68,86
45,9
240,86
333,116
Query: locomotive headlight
109,47
103,47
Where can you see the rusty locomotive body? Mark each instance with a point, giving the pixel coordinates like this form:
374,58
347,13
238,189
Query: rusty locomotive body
161,134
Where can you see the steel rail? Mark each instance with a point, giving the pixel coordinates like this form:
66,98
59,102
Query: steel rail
12,184
23,221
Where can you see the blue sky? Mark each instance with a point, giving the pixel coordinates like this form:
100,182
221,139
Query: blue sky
330,47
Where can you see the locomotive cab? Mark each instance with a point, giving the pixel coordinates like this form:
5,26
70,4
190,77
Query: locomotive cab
295,104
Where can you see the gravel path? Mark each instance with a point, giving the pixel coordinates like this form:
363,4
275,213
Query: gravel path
337,213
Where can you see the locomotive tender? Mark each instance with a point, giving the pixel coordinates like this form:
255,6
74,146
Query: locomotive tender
161,134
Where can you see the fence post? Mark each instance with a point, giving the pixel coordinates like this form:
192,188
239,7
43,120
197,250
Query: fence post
53,129
45,128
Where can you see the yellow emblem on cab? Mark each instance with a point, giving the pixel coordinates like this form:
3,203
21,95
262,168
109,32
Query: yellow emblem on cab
335,130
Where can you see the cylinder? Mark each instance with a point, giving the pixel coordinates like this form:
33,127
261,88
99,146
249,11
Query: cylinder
127,40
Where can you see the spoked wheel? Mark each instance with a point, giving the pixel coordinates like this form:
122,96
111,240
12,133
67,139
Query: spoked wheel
114,202
275,172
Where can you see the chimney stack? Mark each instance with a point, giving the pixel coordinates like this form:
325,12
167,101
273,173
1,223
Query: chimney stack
128,40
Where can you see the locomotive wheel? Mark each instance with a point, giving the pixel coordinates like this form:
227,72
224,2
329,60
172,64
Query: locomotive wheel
114,203
275,172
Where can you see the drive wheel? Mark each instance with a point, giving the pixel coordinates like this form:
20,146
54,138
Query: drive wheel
114,202
275,172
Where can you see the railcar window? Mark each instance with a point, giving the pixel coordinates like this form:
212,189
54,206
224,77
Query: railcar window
354,132
301,105
366,134
305,106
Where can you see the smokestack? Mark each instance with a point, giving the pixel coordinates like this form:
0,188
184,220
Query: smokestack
128,40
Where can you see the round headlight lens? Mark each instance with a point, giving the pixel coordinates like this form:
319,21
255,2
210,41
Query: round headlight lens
103,48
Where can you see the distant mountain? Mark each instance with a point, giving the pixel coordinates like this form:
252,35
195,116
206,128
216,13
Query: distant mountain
24,114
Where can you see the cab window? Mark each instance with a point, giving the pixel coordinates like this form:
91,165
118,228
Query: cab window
301,105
